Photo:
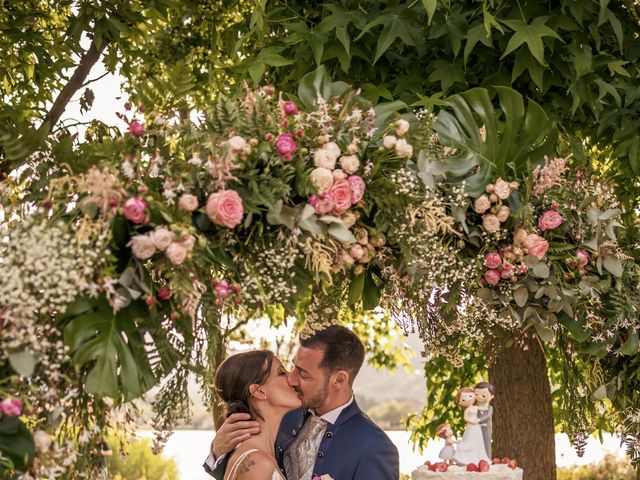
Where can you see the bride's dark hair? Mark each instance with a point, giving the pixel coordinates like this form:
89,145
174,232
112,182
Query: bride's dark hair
236,374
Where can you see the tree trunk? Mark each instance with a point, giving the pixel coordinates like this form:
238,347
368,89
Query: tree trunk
218,355
523,417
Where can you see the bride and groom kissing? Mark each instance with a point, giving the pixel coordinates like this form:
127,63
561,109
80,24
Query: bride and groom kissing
305,423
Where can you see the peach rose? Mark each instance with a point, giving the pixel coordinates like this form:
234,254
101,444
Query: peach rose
491,223
503,214
162,238
349,163
536,245
519,237
225,208
402,127
333,149
481,204
403,148
502,189
341,193
339,174
142,246
177,252
188,202
237,143
389,141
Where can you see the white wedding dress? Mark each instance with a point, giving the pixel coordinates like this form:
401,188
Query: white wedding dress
471,448
234,470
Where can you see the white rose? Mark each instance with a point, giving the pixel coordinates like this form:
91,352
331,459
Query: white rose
142,247
339,174
389,141
322,178
42,440
403,148
177,253
481,204
188,202
491,223
502,189
333,149
162,238
324,159
349,163
402,127
237,143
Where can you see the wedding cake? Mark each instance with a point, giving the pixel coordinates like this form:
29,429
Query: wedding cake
454,472
469,456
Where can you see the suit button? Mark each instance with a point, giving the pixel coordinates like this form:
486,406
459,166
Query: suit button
320,454
279,449
294,432
329,434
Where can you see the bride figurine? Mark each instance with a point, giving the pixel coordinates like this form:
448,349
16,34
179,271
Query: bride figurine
471,449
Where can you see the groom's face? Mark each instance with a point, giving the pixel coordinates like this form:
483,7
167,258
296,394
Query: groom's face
309,379
483,395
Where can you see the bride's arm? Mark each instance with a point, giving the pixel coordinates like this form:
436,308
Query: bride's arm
469,418
256,466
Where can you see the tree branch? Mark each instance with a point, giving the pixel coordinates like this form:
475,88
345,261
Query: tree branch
76,81
95,79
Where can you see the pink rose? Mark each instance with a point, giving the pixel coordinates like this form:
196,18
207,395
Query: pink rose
135,210
323,206
356,251
162,237
492,277
136,129
286,146
341,192
507,270
290,108
189,242
491,223
357,186
550,220
177,252
492,260
502,189
142,246
536,245
313,200
583,258
225,208
222,289
188,202
12,407
165,293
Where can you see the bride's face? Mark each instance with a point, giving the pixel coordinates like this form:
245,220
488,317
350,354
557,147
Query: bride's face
467,399
277,389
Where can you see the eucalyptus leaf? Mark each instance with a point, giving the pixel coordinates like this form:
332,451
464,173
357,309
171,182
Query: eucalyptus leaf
521,295
613,265
600,393
23,362
541,270
546,334
340,232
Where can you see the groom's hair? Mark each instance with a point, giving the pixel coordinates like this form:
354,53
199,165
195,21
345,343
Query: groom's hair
343,350
488,386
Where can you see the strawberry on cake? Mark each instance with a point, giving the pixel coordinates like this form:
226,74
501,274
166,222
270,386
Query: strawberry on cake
501,469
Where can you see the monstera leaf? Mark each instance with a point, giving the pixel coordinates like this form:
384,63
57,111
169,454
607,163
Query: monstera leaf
16,441
110,347
516,136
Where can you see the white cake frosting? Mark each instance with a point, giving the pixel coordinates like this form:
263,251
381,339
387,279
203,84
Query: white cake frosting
497,472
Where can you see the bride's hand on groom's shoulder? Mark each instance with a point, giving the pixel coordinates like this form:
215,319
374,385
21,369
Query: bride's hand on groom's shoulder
237,428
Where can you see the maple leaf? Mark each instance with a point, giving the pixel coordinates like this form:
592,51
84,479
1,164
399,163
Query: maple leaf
531,34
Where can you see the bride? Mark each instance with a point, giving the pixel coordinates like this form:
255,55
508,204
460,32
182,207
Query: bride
471,448
255,382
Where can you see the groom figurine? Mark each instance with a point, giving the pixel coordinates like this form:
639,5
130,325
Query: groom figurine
484,394
330,435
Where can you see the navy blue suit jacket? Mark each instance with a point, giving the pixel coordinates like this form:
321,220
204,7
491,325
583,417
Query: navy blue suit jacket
354,448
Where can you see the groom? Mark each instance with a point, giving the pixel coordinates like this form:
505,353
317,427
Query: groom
330,435
484,394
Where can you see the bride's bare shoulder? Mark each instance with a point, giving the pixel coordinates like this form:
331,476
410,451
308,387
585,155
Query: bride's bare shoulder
256,466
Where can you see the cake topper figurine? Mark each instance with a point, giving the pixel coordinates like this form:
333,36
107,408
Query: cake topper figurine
484,394
471,449
445,432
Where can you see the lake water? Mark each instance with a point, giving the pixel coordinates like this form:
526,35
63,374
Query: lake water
189,448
